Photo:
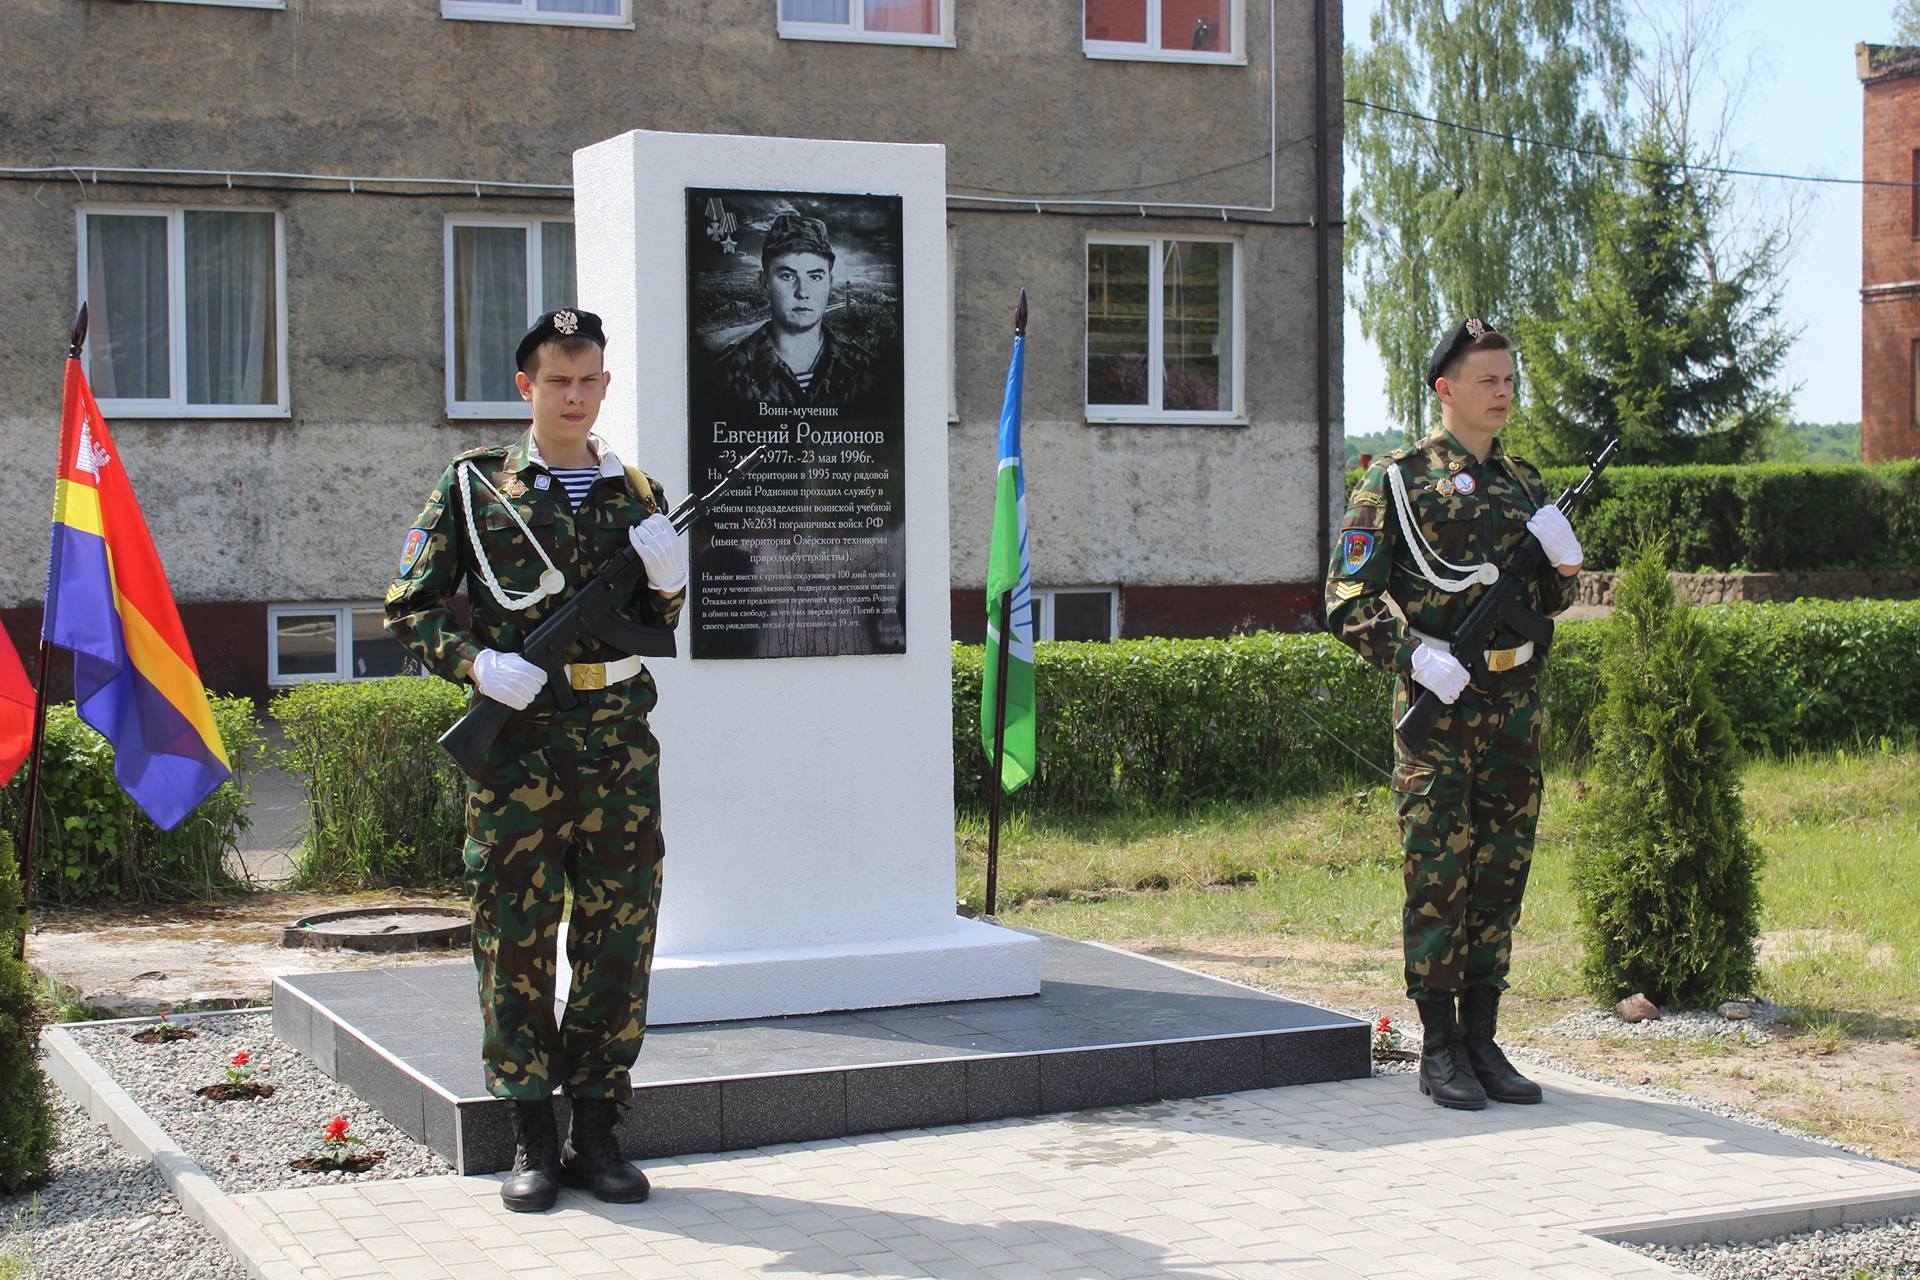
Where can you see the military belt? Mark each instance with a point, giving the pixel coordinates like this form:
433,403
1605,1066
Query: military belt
1497,659
601,675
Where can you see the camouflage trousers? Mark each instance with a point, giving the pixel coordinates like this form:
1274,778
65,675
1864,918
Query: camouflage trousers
1469,802
568,800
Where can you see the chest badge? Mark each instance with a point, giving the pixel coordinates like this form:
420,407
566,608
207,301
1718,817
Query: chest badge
1444,488
1463,483
511,486
542,481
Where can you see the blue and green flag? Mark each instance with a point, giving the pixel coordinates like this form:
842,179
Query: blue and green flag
1009,573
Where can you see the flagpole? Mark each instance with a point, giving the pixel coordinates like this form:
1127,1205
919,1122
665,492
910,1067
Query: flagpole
77,340
1000,702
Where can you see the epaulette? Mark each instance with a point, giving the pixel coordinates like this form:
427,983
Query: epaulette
484,451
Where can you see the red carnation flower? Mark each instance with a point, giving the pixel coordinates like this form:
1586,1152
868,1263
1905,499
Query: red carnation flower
241,1058
337,1129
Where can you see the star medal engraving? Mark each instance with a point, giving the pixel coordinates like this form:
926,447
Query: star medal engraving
1444,488
721,226
552,581
566,323
512,486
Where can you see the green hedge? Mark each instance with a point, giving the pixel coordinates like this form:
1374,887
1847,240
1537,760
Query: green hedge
384,802
1151,723
94,845
1762,517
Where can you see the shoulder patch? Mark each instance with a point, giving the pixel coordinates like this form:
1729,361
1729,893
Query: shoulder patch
410,553
1356,548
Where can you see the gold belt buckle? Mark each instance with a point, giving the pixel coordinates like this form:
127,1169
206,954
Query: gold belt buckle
1502,659
589,675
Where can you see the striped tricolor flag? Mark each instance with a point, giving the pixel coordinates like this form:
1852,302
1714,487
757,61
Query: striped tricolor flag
107,600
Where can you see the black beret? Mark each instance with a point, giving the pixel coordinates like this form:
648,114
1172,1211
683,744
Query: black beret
796,233
1469,330
567,322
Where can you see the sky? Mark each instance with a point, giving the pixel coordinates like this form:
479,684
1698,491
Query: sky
1803,117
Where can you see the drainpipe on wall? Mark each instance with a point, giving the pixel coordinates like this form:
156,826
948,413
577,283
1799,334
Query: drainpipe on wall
1322,275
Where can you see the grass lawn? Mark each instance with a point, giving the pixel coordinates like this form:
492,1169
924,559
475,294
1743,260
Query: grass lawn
1303,896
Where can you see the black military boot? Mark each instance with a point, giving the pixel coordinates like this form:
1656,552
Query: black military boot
592,1159
1445,1075
534,1184
1479,1015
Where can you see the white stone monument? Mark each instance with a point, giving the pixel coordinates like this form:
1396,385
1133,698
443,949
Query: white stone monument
807,803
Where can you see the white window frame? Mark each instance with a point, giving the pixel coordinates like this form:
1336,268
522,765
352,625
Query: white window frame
536,288
953,325
1156,337
1044,604
1150,51
527,12
175,405
853,30
342,612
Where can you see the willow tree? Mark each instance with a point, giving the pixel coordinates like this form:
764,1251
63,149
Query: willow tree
1472,217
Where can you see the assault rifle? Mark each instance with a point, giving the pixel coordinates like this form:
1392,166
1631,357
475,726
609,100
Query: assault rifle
589,611
1502,605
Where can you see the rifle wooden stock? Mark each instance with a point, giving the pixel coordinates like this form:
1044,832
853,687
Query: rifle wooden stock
588,611
1499,605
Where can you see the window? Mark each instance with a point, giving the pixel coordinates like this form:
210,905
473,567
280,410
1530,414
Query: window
1079,613
1913,197
953,326
1162,316
573,13
874,21
331,642
1913,384
500,275
186,311
1169,30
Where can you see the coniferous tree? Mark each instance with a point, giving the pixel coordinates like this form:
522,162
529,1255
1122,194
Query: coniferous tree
26,1099
1657,340
1666,871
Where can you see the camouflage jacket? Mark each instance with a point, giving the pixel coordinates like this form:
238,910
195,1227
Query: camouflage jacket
750,372
439,558
1470,512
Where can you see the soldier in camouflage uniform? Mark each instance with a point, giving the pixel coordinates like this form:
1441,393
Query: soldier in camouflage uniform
1423,531
796,358
564,797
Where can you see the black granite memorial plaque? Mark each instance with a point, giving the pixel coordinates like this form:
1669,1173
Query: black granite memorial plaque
794,342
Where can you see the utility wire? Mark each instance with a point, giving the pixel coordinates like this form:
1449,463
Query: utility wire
1601,154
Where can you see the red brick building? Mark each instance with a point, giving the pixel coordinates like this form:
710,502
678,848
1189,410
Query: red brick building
1890,253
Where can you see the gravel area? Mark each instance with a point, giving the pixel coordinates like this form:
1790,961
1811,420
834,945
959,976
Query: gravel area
1680,1024
245,1145
1890,1252
105,1215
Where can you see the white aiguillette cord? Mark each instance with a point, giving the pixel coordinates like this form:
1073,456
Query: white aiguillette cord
552,581
1486,574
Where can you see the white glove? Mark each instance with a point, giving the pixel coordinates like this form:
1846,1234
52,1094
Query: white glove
1440,671
659,548
507,678
1556,535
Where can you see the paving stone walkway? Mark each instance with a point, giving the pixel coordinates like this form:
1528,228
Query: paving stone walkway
1313,1182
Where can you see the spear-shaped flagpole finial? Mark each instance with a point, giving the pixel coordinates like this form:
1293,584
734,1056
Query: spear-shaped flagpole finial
79,334
1020,316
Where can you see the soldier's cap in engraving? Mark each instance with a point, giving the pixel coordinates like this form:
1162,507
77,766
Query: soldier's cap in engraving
796,233
567,322
1467,331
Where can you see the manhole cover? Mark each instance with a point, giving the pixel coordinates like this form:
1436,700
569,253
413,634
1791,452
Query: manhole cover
382,929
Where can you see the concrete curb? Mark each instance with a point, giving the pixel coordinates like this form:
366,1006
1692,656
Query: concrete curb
1760,1220
86,1083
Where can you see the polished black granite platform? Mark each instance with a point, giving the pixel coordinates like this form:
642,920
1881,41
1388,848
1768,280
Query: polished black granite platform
1107,1028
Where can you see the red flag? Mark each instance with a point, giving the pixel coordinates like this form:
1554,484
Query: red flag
16,711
